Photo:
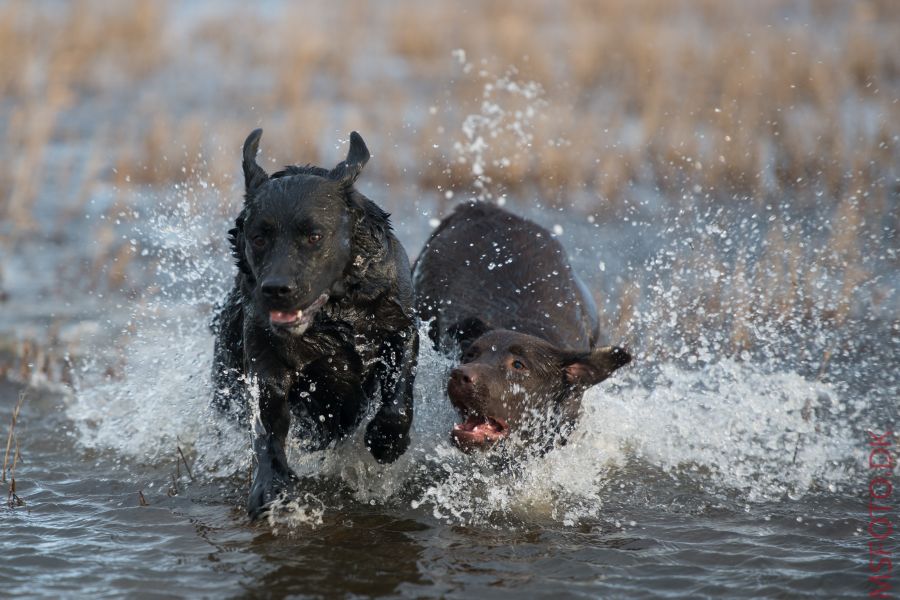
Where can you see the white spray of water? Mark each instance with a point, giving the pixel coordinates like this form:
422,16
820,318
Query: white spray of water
727,427
287,516
730,428
508,109
154,396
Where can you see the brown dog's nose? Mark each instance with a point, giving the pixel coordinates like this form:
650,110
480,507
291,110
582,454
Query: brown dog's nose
620,356
462,375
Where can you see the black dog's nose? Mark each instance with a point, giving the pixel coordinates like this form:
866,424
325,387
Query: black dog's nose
277,288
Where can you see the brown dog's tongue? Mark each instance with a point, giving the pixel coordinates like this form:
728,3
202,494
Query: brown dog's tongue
276,316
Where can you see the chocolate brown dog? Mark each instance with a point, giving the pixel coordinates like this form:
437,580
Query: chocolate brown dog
499,290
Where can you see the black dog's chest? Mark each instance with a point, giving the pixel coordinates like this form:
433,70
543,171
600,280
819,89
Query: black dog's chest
336,348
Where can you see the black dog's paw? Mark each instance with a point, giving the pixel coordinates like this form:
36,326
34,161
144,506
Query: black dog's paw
387,438
267,487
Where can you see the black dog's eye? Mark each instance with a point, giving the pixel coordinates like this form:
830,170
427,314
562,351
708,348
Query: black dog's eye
314,238
259,242
469,355
518,365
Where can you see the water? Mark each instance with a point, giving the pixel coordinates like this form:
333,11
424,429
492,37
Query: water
564,527
691,473
729,460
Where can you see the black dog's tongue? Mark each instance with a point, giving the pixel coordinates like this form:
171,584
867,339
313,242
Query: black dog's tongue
284,318
297,317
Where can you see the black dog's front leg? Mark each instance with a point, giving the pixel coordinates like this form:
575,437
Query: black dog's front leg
387,435
272,475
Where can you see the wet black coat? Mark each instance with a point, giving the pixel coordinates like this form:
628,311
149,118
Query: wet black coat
307,242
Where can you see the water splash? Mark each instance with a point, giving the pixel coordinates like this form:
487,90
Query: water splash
288,516
727,426
145,392
730,429
501,132
710,408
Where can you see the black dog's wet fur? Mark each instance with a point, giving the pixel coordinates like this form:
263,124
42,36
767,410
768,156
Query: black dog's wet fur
362,340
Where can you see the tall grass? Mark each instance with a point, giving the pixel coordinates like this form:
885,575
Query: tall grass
704,103
739,97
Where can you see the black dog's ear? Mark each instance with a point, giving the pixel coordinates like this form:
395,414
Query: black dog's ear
595,366
467,331
349,169
254,175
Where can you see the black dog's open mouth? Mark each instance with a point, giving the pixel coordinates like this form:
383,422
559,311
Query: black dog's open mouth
296,321
479,432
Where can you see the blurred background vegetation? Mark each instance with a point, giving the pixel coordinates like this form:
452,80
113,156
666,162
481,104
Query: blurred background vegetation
749,98
644,108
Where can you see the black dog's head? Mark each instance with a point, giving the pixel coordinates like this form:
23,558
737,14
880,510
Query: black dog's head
293,240
512,382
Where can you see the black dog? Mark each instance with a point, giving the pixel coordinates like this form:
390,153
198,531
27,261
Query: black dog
500,289
319,318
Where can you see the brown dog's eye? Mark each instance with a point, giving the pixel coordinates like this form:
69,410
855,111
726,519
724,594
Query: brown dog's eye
518,365
259,242
314,238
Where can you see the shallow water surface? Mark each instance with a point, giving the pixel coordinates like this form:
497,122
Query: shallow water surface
439,525
696,471
693,472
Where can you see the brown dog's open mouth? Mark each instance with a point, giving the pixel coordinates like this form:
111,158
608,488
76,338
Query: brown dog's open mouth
478,432
297,320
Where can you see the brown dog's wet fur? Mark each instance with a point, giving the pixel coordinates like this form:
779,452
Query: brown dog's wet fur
499,290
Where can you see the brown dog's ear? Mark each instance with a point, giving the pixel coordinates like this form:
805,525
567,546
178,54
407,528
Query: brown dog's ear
595,366
349,169
254,175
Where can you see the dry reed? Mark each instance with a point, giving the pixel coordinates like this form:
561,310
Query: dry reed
12,443
702,103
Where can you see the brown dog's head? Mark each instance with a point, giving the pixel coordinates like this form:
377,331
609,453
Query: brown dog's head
513,382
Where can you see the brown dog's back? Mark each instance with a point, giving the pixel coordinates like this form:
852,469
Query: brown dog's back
484,263
499,288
